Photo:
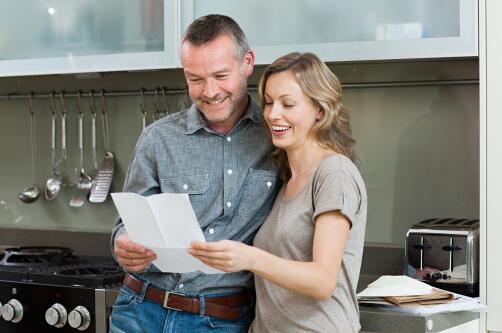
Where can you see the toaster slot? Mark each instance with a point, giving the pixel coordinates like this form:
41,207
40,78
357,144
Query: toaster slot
436,257
421,247
418,251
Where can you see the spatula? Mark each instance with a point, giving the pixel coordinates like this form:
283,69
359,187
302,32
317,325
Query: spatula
104,175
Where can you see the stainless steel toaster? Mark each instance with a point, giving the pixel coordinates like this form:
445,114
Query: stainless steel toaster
445,253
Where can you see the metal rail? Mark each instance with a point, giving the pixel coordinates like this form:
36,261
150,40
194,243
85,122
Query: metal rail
177,91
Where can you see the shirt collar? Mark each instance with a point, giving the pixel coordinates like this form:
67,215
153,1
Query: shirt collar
195,120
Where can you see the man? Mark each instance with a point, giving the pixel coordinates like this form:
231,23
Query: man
218,152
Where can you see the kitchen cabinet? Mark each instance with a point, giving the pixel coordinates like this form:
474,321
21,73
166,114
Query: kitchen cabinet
350,30
58,36
41,37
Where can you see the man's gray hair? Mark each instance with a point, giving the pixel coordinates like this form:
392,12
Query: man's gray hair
207,28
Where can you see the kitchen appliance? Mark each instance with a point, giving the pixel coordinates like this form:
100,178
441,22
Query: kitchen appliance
49,289
445,253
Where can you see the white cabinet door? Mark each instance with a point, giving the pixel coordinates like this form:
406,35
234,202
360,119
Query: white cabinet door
61,36
340,30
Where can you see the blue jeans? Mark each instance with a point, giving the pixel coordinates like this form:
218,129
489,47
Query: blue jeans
132,313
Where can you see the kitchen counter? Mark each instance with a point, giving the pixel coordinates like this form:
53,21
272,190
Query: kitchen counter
374,319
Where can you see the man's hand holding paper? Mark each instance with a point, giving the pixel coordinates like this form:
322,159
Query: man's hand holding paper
132,256
163,223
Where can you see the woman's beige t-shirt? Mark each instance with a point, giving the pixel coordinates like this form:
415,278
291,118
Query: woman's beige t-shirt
288,232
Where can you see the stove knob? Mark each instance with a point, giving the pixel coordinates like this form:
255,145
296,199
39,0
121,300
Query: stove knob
56,315
79,318
12,311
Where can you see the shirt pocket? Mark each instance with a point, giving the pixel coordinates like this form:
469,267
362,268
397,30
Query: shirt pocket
194,185
258,193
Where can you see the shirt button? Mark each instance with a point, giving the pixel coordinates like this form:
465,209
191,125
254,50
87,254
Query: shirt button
185,186
229,204
269,184
181,285
229,171
229,139
211,231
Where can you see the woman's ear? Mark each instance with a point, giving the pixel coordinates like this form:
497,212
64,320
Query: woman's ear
319,114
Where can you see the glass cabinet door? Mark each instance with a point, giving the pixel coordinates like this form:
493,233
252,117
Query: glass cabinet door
350,30
61,36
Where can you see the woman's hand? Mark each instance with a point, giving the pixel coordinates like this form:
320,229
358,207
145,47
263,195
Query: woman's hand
225,255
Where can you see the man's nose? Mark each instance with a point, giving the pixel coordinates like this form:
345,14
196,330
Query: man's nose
210,89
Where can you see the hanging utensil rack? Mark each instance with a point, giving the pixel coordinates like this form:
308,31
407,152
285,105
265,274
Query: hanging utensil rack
178,91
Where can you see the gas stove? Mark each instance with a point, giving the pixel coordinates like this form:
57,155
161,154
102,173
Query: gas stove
50,289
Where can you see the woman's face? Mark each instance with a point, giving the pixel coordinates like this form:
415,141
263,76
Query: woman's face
288,112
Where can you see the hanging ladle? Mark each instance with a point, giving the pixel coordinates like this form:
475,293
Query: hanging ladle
54,183
32,193
84,181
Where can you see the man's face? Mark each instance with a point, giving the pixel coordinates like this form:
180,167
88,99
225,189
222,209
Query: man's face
216,80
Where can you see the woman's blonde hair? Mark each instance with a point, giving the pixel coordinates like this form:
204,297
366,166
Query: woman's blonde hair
324,89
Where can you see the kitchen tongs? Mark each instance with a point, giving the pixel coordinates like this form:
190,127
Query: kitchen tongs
104,175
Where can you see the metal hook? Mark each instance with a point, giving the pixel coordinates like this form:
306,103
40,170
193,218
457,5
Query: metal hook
63,104
164,98
64,114
158,109
80,105
142,107
52,104
92,105
103,103
30,103
142,104
104,115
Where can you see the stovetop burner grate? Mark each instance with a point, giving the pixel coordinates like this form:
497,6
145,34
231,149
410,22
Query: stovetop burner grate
58,266
38,256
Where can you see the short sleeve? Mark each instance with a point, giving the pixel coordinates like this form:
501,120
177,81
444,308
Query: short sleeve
337,185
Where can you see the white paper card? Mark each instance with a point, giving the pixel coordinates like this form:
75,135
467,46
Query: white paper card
166,224
395,285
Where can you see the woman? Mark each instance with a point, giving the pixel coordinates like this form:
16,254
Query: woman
307,255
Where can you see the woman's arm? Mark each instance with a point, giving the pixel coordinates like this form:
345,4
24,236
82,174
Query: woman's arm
315,279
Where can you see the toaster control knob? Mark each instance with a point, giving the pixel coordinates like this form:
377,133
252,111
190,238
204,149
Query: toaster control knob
56,315
79,318
12,311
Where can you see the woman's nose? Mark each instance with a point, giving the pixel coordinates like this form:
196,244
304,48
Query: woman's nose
275,111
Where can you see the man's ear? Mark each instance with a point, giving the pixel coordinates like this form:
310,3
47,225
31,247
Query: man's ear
248,62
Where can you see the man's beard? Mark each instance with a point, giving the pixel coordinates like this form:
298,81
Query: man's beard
222,115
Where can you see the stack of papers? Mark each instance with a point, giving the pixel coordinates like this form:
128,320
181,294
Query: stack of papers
395,285
166,224
407,295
